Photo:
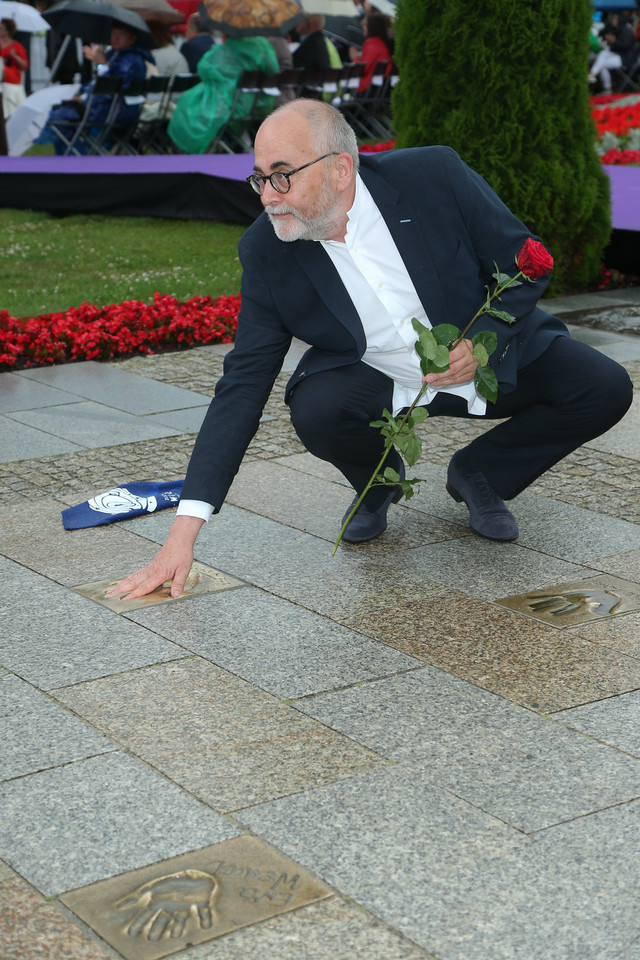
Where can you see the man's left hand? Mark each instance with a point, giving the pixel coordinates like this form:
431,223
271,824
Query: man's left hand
462,367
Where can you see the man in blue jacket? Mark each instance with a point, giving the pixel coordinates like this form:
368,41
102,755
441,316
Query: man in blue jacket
345,255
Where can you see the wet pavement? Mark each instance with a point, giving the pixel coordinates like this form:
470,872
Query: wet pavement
424,747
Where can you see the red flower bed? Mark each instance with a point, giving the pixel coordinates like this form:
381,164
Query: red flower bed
616,156
101,333
618,122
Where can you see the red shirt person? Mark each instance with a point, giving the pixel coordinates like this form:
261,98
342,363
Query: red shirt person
14,62
375,47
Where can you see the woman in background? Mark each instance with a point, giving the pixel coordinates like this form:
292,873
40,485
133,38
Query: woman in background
375,47
14,62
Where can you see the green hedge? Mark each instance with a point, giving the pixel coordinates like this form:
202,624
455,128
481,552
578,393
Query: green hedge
505,84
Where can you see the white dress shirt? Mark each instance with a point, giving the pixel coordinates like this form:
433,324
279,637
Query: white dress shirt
385,299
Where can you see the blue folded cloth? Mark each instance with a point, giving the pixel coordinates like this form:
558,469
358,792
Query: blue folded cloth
120,503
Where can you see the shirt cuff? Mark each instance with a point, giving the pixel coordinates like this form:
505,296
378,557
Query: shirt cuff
195,508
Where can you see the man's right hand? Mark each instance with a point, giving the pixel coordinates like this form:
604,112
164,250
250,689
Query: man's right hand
172,562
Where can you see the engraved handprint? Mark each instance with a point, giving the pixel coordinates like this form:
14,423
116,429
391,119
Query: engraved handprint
594,601
166,904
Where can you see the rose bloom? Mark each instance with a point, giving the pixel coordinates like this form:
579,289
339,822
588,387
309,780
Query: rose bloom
534,260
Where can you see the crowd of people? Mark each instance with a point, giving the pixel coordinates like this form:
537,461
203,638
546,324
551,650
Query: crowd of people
196,117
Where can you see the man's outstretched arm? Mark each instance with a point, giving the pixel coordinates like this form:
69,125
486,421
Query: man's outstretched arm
172,562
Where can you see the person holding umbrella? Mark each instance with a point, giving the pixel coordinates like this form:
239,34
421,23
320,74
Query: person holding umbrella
126,57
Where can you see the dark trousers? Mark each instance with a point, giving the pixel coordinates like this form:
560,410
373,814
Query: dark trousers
569,395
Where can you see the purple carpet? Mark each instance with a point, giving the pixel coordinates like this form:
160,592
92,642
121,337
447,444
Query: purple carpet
625,197
234,166
186,187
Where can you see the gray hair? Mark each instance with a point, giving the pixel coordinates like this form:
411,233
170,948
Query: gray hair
329,129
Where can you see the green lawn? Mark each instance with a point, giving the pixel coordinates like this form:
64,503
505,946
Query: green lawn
52,263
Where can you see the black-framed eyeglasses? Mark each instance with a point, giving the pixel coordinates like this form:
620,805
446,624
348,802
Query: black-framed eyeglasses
280,180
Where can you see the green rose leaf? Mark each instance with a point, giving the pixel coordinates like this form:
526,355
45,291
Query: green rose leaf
419,414
486,383
480,354
445,333
487,338
409,446
501,315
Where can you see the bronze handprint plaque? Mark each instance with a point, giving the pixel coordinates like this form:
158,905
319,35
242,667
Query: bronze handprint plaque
202,579
582,601
158,910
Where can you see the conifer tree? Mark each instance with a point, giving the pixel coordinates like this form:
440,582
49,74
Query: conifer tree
505,84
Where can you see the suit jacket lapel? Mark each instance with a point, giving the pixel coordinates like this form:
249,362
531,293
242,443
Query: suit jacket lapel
414,243
414,248
320,269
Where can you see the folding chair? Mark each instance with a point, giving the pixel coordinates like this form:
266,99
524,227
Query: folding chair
365,111
290,82
236,136
157,92
112,137
159,140
627,79
75,134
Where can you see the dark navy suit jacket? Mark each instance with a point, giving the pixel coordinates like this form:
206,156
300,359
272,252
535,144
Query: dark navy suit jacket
450,229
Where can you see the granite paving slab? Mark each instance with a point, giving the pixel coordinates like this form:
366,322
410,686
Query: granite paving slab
317,506
615,721
97,818
546,525
527,770
579,302
454,880
32,929
334,927
571,533
525,661
115,388
219,737
294,565
279,646
622,439
623,349
185,421
625,565
37,733
482,568
33,535
620,634
17,393
91,424
606,843
52,637
308,464
21,442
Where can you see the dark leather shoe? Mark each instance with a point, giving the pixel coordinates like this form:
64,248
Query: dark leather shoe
488,515
368,524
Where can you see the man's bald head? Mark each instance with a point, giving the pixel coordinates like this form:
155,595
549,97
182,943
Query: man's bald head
324,127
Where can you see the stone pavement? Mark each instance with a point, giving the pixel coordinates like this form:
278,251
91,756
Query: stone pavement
371,755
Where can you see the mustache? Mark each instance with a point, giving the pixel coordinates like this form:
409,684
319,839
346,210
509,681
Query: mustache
280,208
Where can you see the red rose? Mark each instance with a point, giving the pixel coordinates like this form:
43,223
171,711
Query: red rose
534,260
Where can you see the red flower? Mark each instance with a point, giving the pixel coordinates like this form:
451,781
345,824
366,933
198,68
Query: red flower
534,260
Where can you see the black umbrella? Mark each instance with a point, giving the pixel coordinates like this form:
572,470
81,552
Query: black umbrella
91,20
